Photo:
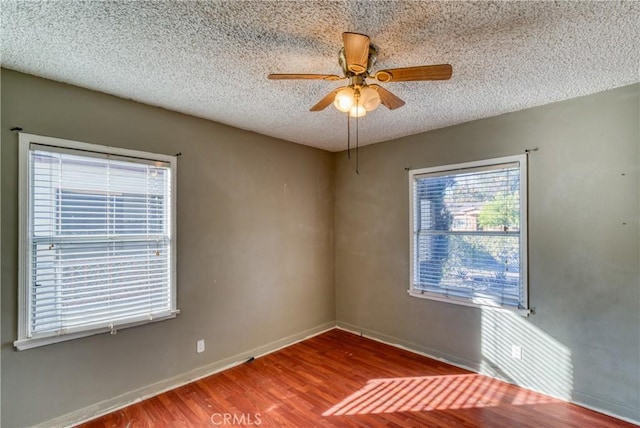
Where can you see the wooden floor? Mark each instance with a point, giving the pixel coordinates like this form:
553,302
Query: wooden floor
340,379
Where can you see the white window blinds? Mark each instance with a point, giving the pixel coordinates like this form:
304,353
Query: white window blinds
467,232
100,241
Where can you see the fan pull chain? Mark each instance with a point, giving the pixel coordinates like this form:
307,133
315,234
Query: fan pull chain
357,98
357,145
348,137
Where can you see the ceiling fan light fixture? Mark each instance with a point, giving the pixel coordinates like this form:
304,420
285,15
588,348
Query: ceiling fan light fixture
344,99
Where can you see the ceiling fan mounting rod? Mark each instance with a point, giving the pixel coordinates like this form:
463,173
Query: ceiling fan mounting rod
357,81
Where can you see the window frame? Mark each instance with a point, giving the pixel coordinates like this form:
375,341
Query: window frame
25,339
451,169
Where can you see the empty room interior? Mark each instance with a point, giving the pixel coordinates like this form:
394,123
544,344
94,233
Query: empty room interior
326,213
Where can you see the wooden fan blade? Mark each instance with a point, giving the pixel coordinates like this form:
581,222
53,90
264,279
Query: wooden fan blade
304,76
323,103
422,72
387,99
356,51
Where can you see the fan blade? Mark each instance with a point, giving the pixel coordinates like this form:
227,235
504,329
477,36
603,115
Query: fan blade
356,51
422,72
323,103
387,99
304,76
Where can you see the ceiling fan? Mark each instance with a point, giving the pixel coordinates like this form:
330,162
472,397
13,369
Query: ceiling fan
356,58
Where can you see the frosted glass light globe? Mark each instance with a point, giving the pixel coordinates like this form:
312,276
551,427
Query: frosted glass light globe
369,98
357,111
344,99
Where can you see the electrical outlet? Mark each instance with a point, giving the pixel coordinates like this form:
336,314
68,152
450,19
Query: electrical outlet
516,352
200,346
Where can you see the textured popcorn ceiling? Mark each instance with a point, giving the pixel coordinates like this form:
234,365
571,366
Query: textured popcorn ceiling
211,58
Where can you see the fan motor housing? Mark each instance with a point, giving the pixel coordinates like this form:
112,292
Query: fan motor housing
373,56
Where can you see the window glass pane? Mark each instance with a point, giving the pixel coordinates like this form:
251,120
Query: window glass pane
100,243
75,195
467,234
88,283
486,200
473,267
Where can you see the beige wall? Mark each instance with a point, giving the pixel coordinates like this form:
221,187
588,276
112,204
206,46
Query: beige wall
255,249
583,342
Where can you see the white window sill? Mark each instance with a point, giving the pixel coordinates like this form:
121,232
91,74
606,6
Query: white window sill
35,342
467,302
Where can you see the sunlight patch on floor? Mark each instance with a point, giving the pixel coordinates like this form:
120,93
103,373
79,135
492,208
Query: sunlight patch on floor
427,393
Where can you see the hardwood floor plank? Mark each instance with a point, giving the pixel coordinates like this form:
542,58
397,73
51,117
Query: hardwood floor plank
339,379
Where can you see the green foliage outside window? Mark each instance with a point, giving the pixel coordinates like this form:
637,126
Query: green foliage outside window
502,210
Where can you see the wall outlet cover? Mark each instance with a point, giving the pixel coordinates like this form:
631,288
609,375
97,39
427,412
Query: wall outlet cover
516,352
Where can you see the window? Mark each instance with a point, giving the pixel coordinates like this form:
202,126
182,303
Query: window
97,239
468,233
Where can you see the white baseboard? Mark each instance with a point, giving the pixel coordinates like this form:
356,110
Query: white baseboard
111,405
580,399
410,346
